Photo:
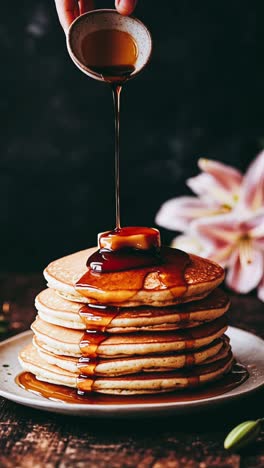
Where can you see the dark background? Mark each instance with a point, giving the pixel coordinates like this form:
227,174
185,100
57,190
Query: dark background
202,95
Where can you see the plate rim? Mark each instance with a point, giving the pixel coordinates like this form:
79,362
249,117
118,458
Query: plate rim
42,403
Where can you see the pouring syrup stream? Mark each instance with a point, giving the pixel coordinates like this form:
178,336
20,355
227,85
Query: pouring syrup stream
117,88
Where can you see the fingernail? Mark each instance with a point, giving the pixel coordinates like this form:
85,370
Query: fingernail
126,7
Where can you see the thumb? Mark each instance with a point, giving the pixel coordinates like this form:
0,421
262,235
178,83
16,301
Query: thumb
125,7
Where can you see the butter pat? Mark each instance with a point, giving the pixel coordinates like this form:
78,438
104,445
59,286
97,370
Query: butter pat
135,237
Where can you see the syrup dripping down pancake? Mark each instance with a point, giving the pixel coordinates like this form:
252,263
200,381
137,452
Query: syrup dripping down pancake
201,276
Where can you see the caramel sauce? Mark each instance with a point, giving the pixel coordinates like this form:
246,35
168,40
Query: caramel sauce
184,318
97,317
90,341
105,261
170,272
87,363
189,360
114,73
110,53
85,384
226,383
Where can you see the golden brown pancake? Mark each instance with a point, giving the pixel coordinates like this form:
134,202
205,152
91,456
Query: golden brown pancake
54,309
132,365
129,384
201,276
64,341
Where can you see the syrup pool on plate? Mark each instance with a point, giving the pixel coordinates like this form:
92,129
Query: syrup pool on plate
228,382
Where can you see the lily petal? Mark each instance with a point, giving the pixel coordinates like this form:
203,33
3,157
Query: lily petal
206,187
244,278
177,213
253,184
199,184
228,177
220,231
259,243
261,290
254,227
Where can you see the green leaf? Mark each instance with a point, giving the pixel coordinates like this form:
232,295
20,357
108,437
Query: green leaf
243,434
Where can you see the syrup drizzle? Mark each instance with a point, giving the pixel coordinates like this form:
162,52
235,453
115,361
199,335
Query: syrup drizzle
169,267
116,89
96,319
89,359
105,261
90,343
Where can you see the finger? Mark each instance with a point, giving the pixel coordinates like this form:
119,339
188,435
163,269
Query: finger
67,11
125,7
76,11
86,5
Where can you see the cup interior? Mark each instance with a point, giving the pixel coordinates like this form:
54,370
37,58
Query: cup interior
108,19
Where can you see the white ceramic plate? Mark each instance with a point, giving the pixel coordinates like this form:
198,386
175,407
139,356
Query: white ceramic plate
248,350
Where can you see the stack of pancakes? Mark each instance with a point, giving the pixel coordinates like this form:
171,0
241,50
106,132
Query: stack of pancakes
154,341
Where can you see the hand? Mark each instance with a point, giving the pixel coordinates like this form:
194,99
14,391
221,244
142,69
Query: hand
68,10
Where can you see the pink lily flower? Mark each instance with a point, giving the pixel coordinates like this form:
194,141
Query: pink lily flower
218,189
225,222
237,245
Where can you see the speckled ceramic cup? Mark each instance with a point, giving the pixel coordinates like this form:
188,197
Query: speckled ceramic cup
108,19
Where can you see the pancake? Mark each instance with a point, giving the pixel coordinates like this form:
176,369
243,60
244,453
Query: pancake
54,309
201,276
140,383
132,365
65,341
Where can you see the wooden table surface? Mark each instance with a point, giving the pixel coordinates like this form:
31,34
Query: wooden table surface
31,438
